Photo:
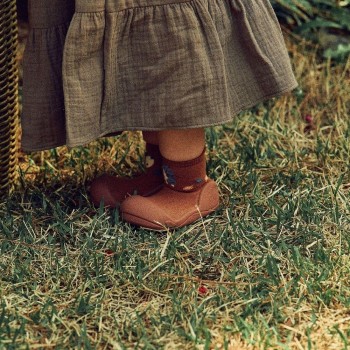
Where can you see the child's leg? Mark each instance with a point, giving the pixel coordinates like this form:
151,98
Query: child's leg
113,190
181,145
188,194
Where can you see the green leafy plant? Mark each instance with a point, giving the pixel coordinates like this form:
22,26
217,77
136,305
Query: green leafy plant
326,22
311,14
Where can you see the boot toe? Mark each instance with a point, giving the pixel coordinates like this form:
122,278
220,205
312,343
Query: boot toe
141,211
169,208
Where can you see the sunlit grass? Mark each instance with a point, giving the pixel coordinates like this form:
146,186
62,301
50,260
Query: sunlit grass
270,270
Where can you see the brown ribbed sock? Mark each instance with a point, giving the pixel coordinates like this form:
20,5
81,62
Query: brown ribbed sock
113,190
187,176
187,196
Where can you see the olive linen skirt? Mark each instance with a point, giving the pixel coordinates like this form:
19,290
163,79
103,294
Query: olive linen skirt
95,67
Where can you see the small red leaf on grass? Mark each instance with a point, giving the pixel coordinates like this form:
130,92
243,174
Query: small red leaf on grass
202,290
308,119
109,252
309,124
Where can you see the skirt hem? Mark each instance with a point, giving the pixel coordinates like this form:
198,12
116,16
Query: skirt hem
83,142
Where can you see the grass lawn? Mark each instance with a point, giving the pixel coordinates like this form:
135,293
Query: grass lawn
270,270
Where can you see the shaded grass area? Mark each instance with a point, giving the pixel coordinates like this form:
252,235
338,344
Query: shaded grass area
270,270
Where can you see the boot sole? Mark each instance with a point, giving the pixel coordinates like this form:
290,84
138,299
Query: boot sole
155,226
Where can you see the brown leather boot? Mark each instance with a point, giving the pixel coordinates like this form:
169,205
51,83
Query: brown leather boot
188,195
113,190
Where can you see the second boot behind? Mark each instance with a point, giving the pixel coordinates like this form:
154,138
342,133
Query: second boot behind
113,190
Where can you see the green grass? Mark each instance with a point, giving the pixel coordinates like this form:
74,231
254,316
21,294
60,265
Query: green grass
270,270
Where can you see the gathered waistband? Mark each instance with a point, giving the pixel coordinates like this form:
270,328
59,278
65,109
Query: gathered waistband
120,5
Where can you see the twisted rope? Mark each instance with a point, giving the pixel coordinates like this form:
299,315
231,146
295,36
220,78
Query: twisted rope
8,95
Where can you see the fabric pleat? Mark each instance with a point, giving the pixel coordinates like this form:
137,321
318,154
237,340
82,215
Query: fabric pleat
43,115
